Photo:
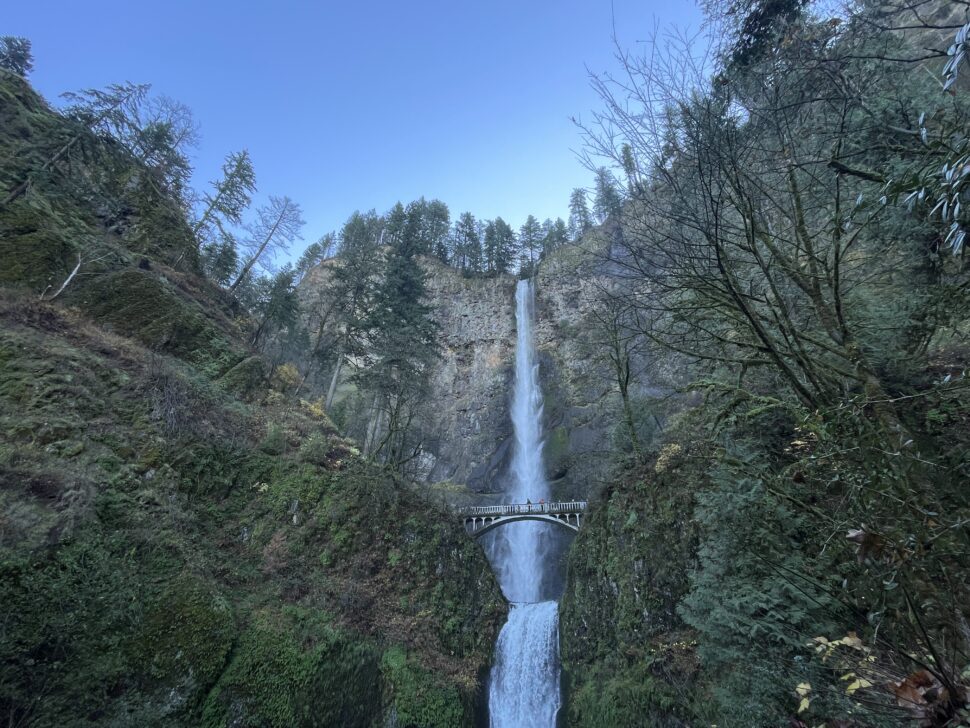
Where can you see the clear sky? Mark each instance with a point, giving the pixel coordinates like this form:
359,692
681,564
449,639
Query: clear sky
356,105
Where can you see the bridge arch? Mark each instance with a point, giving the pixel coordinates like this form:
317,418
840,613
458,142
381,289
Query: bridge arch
482,519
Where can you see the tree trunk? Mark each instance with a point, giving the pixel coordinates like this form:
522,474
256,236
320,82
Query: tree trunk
252,261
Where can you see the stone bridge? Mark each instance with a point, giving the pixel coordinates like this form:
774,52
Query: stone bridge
481,519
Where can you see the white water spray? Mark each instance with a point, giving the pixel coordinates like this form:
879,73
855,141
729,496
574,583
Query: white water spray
524,685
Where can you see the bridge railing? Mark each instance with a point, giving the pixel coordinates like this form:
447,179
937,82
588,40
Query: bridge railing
519,508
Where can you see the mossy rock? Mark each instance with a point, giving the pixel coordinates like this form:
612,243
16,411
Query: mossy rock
186,639
275,441
556,452
420,700
32,254
245,378
140,305
291,668
630,696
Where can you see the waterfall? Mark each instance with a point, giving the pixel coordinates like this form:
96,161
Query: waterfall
524,684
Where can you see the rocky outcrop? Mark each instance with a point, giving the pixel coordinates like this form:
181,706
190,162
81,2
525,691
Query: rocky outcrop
472,429
581,407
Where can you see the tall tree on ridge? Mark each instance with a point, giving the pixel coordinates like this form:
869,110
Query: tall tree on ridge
530,240
354,279
231,195
466,244
499,246
608,199
580,219
15,55
556,235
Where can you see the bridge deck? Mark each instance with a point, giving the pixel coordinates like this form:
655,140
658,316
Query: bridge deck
517,508
480,519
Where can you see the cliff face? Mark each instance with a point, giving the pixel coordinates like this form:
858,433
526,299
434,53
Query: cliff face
581,404
465,421
472,432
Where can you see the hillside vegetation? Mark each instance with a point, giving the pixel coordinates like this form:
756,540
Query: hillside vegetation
183,541
787,542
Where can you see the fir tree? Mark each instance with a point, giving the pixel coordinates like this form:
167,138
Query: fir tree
466,244
555,235
402,343
15,55
580,219
230,195
499,246
315,253
278,306
220,259
530,240
608,199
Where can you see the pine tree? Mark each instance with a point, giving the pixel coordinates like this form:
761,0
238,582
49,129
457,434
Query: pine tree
608,199
315,253
220,259
360,259
395,222
15,55
556,235
500,247
530,241
580,219
231,195
402,343
437,225
466,244
279,306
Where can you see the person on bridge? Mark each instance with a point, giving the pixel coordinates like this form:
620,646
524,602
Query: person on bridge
528,502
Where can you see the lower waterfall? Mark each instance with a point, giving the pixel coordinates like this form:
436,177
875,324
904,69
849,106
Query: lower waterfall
524,683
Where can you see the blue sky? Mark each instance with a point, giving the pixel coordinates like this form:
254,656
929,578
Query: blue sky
355,105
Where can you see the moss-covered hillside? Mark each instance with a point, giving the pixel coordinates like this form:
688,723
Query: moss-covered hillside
628,659
180,542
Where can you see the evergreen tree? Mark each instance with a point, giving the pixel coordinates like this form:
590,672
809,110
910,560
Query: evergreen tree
15,55
530,241
231,195
580,220
359,260
315,253
107,113
437,225
608,199
499,246
402,343
220,259
278,306
396,220
466,244
555,235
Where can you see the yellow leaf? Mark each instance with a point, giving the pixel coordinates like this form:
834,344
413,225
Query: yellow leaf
858,685
851,640
803,689
803,705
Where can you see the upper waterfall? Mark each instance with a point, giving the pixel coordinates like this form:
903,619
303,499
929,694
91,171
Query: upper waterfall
524,688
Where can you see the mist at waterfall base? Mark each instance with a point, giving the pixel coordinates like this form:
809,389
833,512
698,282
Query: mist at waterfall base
524,683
